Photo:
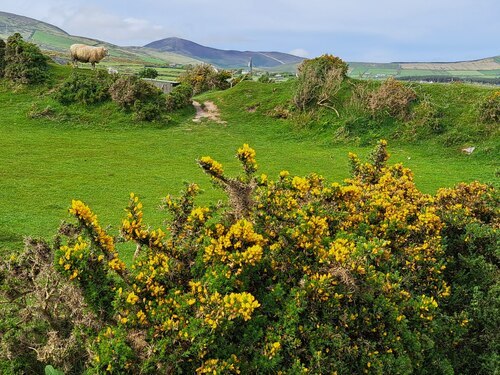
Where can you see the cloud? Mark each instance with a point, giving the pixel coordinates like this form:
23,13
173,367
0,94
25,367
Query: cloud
299,52
96,22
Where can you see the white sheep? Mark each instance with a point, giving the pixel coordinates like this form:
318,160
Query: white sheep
85,54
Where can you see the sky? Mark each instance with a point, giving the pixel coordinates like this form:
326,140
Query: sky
355,30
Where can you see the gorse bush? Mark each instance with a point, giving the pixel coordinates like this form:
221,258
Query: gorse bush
319,80
392,98
85,88
24,62
205,77
147,73
145,100
180,97
489,108
293,275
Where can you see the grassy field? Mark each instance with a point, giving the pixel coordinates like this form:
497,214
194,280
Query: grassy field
99,154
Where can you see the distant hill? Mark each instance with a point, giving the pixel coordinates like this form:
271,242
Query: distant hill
223,58
57,41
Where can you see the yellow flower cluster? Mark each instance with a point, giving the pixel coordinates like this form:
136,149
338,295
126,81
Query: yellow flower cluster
301,184
198,214
99,236
211,166
238,245
133,229
246,155
311,233
272,349
240,305
217,366
339,252
427,306
71,257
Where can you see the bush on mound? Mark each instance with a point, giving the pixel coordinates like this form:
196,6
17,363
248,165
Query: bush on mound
85,88
392,98
489,109
319,80
295,275
24,62
205,77
145,100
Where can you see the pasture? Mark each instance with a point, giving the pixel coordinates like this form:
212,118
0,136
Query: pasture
99,154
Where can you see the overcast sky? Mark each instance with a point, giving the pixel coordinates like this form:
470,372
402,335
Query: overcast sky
356,30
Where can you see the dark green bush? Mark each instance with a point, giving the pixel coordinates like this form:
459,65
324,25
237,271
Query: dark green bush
24,62
180,97
85,88
147,73
2,57
132,93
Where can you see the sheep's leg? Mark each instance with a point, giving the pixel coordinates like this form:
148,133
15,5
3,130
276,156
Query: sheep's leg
93,65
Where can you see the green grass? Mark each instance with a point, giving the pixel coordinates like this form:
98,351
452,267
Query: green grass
99,154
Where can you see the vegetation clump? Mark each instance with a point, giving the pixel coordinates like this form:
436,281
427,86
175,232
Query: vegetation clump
392,98
147,73
134,94
2,57
85,88
205,77
294,275
180,97
24,62
319,80
489,109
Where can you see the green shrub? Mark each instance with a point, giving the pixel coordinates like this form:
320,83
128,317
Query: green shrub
24,62
319,80
2,57
392,98
85,88
180,97
265,78
425,120
132,93
147,73
205,77
489,109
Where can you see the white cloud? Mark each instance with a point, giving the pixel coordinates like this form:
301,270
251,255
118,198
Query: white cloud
299,52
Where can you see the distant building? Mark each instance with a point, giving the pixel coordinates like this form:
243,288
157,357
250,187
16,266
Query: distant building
165,86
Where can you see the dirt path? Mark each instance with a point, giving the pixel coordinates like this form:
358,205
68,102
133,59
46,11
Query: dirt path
209,111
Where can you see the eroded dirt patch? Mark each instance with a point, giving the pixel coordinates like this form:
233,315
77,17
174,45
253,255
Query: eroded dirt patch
207,111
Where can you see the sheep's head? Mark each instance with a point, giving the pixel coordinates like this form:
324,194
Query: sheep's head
105,52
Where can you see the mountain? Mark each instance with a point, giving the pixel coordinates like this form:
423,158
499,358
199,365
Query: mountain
56,42
223,58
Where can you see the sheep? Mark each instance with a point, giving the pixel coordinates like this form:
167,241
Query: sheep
84,53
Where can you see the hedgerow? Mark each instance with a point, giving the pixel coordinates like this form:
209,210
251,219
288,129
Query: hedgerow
293,275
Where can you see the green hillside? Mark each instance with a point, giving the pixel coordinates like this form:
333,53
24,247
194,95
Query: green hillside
54,153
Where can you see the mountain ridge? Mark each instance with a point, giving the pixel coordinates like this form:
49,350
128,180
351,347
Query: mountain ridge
223,58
